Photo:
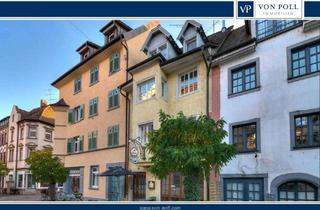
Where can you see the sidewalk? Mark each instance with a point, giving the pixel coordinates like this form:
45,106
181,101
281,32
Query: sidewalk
27,196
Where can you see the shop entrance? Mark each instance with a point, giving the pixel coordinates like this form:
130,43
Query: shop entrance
139,186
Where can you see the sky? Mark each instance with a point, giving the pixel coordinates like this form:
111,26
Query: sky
33,53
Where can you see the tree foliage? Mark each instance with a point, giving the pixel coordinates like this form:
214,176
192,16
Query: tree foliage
191,145
47,169
3,169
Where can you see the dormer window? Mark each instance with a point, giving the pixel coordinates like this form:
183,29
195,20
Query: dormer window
191,43
112,37
163,49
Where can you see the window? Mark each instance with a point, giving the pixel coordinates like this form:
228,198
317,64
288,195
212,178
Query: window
191,43
305,60
20,153
92,138
164,89
144,129
111,37
94,75
163,49
76,114
243,189
29,150
75,144
20,180
113,136
94,176
266,28
93,107
21,133
11,155
12,133
147,89
245,135
32,133
114,62
77,85
188,82
113,99
243,78
48,135
307,130
297,191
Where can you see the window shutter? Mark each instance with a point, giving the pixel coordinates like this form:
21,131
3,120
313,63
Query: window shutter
116,61
110,137
96,106
116,135
82,111
70,116
81,143
69,146
111,65
116,99
89,141
95,139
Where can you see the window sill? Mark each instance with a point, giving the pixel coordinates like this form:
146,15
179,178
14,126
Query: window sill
306,76
91,84
244,92
149,99
75,122
113,72
305,147
92,116
75,93
248,152
113,108
92,149
93,188
47,140
112,147
187,94
32,137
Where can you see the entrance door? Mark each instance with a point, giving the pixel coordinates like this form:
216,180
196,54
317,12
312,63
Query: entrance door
172,188
243,189
75,184
115,188
139,186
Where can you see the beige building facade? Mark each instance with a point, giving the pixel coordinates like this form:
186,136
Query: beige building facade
173,80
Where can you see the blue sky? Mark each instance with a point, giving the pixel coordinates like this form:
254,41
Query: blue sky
33,53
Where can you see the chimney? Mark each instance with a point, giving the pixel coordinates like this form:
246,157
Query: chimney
43,103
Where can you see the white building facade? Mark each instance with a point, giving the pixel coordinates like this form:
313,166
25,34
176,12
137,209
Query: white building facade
269,97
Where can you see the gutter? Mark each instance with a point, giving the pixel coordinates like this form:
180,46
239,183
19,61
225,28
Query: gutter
16,161
126,162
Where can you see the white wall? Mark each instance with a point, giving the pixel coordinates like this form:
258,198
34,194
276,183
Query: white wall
272,104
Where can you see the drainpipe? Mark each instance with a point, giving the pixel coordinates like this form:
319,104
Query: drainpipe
16,161
208,68
126,162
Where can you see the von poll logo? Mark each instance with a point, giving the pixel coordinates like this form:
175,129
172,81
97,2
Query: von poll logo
245,8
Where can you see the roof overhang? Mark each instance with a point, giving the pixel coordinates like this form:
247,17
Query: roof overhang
140,66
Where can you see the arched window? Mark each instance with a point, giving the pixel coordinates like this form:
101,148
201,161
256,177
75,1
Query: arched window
297,191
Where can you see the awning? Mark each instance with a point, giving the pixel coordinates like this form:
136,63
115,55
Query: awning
116,171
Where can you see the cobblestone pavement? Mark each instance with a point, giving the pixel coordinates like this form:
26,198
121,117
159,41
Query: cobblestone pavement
30,196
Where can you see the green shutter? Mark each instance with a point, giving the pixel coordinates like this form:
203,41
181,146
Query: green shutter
89,141
116,136
81,143
110,137
69,146
70,120
81,111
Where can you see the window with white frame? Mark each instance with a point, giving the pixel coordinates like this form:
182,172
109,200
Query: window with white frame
11,152
144,129
93,107
163,49
32,132
113,98
94,176
191,43
77,85
92,139
164,89
114,62
48,135
147,89
188,82
21,132
94,75
76,114
29,150
75,144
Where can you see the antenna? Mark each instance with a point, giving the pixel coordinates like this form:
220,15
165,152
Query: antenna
51,97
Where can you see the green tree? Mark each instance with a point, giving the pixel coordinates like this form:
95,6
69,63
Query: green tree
47,169
3,169
190,145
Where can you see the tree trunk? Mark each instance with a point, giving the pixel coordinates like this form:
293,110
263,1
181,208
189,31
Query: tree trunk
192,186
52,191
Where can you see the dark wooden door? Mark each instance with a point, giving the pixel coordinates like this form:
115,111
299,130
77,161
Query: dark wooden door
139,186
